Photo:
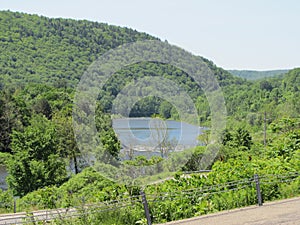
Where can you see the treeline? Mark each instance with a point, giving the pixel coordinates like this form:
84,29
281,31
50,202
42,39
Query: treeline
256,75
278,97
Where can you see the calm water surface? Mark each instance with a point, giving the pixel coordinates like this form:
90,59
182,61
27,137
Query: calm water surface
147,133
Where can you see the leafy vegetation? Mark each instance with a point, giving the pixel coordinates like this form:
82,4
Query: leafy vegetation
54,51
43,59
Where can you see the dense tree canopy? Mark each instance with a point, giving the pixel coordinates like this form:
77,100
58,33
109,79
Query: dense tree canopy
36,162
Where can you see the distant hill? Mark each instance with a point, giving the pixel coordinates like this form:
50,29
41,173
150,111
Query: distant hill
37,49
256,75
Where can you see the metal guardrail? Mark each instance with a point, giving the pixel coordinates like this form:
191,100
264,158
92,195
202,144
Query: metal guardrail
143,200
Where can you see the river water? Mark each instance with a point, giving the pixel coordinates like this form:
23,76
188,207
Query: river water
148,134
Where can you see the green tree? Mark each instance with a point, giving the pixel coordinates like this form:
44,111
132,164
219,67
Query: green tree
111,145
194,163
243,138
66,143
165,109
226,137
43,107
36,162
239,139
13,114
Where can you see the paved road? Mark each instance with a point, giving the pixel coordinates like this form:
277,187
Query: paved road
285,212
36,216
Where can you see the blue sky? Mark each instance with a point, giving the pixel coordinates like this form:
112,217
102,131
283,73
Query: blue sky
234,34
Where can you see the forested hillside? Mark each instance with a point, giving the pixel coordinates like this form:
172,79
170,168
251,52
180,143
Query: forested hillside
256,75
279,97
42,61
56,52
53,51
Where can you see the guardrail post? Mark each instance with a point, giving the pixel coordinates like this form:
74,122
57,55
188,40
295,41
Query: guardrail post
258,191
15,205
146,208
